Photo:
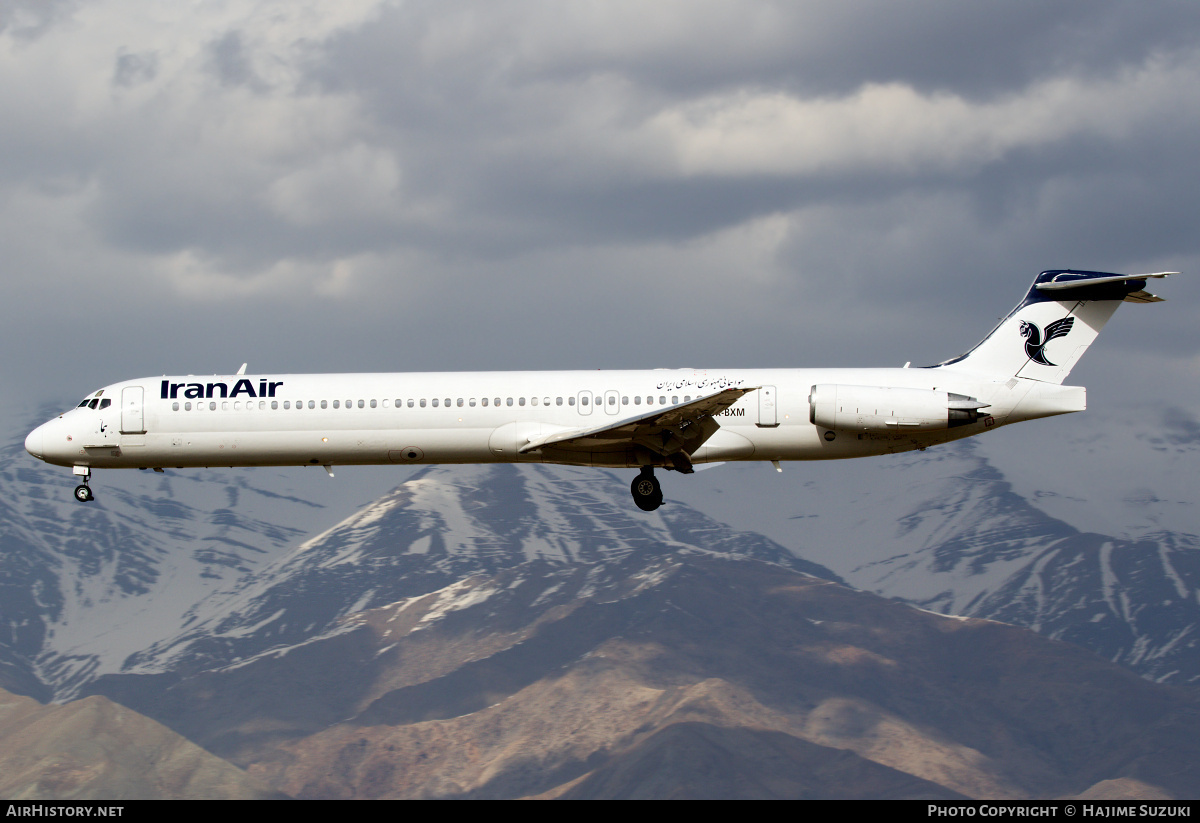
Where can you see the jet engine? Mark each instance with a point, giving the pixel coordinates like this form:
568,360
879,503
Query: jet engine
880,409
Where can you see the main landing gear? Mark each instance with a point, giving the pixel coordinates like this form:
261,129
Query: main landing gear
647,493
83,492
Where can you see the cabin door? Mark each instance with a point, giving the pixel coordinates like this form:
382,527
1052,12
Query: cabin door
132,418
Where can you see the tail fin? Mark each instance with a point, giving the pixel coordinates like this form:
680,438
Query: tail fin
1046,334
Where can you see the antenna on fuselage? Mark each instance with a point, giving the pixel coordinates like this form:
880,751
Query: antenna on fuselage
242,370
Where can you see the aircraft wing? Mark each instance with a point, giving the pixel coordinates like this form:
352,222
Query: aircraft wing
673,432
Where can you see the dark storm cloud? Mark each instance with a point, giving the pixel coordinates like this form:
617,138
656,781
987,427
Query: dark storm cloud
475,99
686,49
333,184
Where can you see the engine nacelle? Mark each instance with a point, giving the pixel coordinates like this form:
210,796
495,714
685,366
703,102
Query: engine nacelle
880,409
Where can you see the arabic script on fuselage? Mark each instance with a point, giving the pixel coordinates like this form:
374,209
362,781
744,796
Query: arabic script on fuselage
700,383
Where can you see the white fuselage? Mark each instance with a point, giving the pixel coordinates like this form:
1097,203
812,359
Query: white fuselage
481,417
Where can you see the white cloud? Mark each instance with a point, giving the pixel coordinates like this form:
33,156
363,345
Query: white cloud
894,129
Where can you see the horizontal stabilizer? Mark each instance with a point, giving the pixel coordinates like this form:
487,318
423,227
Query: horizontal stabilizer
1067,285
1075,280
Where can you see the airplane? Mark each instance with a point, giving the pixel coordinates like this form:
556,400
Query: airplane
670,419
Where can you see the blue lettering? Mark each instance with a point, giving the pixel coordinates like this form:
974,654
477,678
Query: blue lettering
243,387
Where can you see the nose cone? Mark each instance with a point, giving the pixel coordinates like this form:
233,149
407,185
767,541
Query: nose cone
33,443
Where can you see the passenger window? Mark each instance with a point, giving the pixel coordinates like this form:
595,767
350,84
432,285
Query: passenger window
460,402
175,406
637,400
187,406
558,401
533,401
312,404
372,404
624,401
484,401
570,401
496,402
508,402
662,400
212,406
471,402
274,404
447,402
435,402
385,402
520,401
287,404
337,404
545,401
674,400
410,403
324,404
612,401
584,400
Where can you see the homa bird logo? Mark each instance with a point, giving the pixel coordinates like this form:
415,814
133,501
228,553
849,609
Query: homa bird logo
1035,345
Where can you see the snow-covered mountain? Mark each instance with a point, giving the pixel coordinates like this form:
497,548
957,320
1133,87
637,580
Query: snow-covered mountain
947,530
205,568
82,587
191,570
436,530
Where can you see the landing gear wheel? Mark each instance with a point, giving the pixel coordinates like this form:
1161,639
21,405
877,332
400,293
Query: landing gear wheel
647,493
83,494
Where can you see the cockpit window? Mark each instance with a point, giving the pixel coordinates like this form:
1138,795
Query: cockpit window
105,403
84,402
94,404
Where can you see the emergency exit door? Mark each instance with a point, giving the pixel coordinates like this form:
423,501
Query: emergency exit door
768,412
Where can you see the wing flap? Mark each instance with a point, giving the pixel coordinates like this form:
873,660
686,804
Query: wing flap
665,431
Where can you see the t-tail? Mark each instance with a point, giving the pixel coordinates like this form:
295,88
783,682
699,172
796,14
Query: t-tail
1046,334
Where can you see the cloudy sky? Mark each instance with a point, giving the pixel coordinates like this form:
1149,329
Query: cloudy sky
367,185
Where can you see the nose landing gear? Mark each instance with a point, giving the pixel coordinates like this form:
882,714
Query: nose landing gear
83,492
647,493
